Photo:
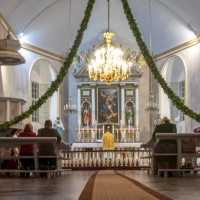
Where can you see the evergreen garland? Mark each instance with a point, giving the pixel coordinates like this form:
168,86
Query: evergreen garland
176,101
63,71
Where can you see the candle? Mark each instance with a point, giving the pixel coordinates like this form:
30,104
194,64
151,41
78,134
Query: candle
99,134
129,126
121,125
137,123
96,126
87,127
79,126
117,134
103,129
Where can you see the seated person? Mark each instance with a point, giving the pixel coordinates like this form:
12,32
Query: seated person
47,149
108,140
7,152
165,146
27,150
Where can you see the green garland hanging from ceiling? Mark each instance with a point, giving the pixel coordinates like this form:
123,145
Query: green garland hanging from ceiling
63,71
176,101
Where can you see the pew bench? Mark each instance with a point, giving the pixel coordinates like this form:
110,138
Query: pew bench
177,170
11,142
34,172
179,137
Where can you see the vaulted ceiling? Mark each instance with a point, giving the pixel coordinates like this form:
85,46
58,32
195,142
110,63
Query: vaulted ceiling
51,24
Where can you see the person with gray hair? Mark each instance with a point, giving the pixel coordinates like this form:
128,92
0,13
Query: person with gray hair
47,149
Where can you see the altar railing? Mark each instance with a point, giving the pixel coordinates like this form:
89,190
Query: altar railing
89,157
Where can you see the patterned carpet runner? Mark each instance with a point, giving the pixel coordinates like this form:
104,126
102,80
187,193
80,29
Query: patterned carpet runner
109,185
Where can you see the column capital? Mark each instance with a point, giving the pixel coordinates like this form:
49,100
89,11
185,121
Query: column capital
79,86
136,86
93,85
122,85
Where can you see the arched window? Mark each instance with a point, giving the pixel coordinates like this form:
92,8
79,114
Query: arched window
41,76
174,74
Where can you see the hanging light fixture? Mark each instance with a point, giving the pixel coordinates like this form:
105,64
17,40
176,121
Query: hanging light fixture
70,108
108,63
151,107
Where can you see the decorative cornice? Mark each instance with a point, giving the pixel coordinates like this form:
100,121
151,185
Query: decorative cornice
177,48
7,27
22,101
42,52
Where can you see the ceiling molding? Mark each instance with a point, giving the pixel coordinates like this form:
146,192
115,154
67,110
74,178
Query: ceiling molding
177,49
42,52
7,27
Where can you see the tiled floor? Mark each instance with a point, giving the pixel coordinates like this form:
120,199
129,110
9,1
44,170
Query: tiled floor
70,185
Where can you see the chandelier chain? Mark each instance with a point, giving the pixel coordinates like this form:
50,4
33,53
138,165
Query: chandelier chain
108,15
70,108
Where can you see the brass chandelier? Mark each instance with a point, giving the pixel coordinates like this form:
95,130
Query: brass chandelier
108,63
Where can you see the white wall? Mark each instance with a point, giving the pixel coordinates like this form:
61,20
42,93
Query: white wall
191,59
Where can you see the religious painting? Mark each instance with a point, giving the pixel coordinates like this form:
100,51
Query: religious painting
108,105
86,114
130,113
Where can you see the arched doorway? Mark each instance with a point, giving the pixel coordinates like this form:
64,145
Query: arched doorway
174,74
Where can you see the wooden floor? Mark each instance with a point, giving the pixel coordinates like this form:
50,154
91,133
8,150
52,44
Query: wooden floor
70,185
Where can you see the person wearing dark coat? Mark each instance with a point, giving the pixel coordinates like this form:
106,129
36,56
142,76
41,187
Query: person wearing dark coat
165,146
165,127
47,149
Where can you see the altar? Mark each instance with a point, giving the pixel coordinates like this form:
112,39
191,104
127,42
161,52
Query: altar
99,145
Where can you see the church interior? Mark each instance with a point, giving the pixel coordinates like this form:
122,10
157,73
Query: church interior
108,71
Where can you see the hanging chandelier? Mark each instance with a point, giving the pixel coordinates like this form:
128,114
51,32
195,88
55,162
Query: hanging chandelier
70,108
108,63
152,107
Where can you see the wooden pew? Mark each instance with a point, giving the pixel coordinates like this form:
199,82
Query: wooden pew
12,142
179,137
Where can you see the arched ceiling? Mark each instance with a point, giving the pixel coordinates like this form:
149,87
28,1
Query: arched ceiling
45,23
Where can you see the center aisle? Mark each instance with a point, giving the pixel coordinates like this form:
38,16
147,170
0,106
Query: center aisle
108,185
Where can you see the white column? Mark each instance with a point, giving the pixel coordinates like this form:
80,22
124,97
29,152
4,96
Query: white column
122,104
19,108
136,103
79,103
93,104
7,110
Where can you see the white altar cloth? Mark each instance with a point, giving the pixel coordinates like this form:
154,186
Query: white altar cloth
100,145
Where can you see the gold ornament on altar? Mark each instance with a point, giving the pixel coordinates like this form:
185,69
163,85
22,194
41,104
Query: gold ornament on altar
86,134
108,63
130,135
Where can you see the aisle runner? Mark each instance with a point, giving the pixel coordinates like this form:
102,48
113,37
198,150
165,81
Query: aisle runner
109,185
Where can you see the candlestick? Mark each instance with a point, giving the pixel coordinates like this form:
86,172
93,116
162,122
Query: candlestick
79,126
96,126
137,123
121,125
